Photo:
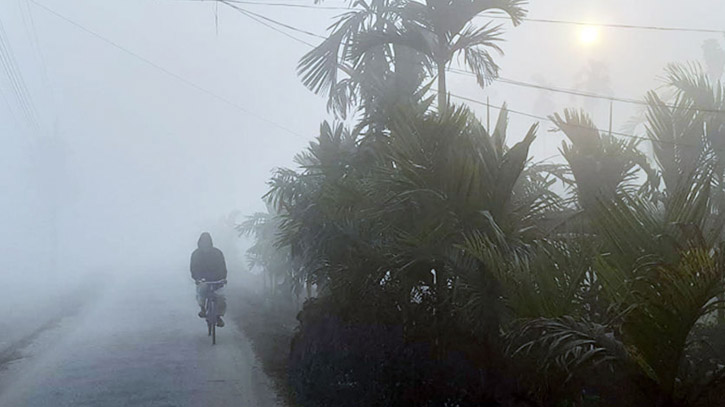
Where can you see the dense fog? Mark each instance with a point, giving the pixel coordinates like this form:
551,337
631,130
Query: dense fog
126,159
130,127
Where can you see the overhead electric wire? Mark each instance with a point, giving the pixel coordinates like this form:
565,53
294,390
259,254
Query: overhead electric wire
533,20
272,4
176,76
542,118
534,116
164,70
33,32
272,21
14,87
41,56
504,80
16,81
621,26
271,27
24,101
584,94
36,41
10,107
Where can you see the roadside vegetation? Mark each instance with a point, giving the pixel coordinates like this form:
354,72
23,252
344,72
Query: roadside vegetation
448,268
269,323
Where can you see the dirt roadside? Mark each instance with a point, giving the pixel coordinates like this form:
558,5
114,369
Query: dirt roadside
269,327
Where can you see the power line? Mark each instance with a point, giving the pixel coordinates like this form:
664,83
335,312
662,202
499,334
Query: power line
36,42
533,20
17,83
266,21
537,117
5,62
530,115
504,80
288,35
549,88
263,20
25,103
305,6
582,93
164,70
41,57
10,108
301,31
623,26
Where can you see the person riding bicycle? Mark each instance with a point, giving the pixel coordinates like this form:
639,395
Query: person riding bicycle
207,264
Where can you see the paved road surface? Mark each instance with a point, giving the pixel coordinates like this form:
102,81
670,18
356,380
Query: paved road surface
138,344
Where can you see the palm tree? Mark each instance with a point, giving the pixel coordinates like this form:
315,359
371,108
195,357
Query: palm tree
660,269
691,127
442,30
274,260
661,275
319,205
350,77
601,166
372,38
689,130
400,225
444,231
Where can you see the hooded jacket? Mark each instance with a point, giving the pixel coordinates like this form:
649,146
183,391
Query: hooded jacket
207,261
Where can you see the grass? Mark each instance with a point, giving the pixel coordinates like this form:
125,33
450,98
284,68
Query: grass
269,325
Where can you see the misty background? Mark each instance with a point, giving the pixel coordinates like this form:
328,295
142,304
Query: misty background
129,127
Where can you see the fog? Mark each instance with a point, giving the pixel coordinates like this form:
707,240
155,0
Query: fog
130,127
129,161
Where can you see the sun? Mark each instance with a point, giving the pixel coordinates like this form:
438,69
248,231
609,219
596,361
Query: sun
589,35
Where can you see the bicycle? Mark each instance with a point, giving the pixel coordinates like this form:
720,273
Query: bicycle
210,305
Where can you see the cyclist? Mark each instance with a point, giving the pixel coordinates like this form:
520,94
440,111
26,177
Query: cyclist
207,263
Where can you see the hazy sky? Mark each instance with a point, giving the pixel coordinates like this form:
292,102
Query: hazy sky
142,161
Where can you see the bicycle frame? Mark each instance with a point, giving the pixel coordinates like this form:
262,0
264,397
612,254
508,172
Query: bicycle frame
210,305
211,318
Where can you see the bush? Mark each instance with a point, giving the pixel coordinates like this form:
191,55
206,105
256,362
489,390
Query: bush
350,360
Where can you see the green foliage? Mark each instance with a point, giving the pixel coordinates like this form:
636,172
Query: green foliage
274,261
601,165
442,253
396,44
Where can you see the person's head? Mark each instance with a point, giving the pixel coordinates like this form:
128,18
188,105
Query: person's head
205,241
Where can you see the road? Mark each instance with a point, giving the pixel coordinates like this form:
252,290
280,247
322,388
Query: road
139,343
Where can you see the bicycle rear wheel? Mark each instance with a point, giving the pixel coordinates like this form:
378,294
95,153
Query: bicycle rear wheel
208,305
211,319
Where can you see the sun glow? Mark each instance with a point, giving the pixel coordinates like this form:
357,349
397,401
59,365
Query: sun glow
589,35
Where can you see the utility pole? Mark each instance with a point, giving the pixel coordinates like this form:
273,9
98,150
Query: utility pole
488,115
611,109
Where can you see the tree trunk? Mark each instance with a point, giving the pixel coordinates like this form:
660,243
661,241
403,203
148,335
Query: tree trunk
440,286
442,90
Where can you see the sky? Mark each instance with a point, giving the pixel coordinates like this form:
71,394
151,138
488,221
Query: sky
159,119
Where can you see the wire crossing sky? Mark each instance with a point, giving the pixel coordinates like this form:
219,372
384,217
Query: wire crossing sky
166,71
510,81
167,147
18,87
534,20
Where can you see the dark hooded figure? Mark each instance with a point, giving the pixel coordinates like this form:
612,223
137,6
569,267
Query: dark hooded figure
208,265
